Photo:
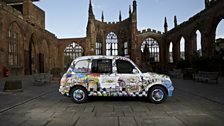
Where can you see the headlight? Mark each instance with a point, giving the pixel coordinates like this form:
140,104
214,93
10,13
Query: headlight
63,81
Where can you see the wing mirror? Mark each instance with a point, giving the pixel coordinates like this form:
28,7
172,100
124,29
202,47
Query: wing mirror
135,71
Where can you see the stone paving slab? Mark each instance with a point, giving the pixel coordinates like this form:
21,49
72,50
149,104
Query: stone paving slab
127,121
165,121
98,121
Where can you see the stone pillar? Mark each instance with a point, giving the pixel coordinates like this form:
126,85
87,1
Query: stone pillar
207,45
103,44
193,41
61,56
176,52
187,49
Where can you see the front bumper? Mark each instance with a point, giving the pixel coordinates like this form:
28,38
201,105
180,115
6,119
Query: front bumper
168,84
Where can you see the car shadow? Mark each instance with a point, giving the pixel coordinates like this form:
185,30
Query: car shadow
117,99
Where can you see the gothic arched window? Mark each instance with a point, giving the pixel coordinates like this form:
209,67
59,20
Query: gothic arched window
13,47
182,48
71,52
112,44
153,48
171,52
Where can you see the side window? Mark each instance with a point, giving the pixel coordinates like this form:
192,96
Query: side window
124,66
82,66
101,66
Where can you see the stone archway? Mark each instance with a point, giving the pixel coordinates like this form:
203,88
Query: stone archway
29,58
182,48
198,43
220,30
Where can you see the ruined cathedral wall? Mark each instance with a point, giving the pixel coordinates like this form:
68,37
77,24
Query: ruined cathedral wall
11,19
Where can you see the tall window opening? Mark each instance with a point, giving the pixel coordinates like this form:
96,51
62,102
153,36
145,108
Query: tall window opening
111,44
13,48
220,31
98,48
182,48
72,52
153,47
198,34
171,52
126,49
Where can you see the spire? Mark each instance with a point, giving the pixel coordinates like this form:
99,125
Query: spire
165,25
134,5
90,9
102,17
175,21
120,17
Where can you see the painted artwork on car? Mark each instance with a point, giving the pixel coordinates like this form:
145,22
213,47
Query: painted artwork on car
114,76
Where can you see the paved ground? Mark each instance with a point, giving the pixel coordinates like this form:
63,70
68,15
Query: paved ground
193,104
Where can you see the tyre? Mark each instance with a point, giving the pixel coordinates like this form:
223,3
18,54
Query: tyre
79,94
157,94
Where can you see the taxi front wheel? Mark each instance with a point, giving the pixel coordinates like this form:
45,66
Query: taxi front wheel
157,94
79,94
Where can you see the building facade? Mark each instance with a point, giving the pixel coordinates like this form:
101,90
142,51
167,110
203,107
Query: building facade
117,38
26,47
150,49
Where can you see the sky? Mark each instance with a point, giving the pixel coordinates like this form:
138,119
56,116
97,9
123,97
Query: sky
68,18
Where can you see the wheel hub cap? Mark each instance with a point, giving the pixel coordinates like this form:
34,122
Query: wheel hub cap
78,95
157,95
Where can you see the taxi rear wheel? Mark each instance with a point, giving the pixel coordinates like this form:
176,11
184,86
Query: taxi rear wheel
79,94
157,94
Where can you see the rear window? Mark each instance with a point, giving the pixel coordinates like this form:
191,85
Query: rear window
101,66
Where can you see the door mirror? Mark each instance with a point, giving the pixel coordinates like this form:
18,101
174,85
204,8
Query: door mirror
135,71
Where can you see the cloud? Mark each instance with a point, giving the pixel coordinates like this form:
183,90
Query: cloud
100,7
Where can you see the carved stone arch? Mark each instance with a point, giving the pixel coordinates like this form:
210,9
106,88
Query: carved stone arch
34,40
14,24
169,51
31,55
176,48
192,38
216,22
182,55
